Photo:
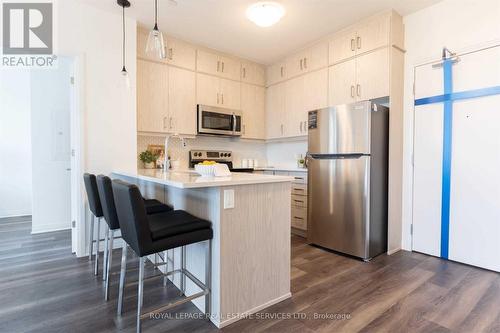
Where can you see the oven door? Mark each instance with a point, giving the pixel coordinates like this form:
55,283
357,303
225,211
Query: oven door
218,121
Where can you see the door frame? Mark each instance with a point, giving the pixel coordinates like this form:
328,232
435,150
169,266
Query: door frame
78,215
411,189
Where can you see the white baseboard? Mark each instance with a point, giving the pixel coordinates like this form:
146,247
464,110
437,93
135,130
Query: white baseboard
252,311
39,229
393,251
15,213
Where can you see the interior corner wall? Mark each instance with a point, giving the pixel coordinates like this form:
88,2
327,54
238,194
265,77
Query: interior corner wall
15,143
109,108
460,25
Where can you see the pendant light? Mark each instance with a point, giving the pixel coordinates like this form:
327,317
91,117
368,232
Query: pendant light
155,44
124,4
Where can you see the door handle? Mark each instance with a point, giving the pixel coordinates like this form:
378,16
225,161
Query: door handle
281,71
217,98
281,129
170,124
358,90
244,129
171,53
244,72
352,44
223,67
305,63
222,98
358,42
218,65
301,60
164,122
352,91
68,169
234,123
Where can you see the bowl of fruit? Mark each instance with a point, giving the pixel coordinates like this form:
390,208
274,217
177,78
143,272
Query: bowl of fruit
212,169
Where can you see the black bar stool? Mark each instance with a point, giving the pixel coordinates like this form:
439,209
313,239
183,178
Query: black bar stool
105,189
152,234
153,206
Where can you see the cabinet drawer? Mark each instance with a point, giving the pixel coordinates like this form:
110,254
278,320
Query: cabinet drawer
299,200
299,177
299,218
299,189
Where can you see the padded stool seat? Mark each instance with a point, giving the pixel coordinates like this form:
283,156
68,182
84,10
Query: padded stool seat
154,206
173,223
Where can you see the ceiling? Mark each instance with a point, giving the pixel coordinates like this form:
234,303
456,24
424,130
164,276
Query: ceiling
222,24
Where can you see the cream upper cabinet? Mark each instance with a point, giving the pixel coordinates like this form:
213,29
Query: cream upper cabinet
212,63
362,78
253,73
152,96
180,54
253,100
230,68
230,92
342,83
215,91
276,73
295,64
182,101
207,90
275,111
372,75
294,105
316,57
364,37
342,46
315,90
373,34
207,62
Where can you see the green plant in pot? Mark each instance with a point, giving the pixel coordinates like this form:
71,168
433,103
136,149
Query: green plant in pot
149,159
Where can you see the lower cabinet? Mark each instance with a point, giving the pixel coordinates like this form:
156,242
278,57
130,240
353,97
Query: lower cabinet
298,199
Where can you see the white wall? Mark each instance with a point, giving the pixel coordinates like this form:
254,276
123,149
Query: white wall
15,143
109,109
459,25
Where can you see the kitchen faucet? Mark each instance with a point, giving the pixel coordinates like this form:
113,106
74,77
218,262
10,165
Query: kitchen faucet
166,161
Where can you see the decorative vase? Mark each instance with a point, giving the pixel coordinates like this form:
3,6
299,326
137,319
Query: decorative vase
150,165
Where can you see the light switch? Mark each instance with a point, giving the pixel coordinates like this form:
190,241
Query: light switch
228,199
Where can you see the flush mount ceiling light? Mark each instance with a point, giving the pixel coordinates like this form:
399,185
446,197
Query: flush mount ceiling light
265,13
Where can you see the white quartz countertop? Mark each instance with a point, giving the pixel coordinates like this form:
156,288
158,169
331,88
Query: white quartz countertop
190,179
288,169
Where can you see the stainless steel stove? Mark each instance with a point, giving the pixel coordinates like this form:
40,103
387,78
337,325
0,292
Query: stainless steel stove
219,156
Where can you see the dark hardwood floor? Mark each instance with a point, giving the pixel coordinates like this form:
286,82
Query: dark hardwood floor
44,288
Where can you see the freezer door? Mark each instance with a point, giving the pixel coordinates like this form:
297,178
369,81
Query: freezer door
341,129
338,204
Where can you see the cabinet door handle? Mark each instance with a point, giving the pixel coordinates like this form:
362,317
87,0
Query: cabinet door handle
281,129
217,98
222,98
358,90
352,91
170,122
244,72
301,127
171,53
218,65
305,63
223,67
358,42
301,61
298,218
352,44
164,122
281,71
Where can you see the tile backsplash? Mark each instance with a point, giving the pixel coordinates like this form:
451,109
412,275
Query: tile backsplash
241,148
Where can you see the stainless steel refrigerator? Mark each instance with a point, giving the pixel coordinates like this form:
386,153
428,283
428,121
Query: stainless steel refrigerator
347,178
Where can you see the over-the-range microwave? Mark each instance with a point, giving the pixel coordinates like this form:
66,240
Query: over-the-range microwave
218,121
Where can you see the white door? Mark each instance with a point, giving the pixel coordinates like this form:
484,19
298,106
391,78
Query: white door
51,147
474,222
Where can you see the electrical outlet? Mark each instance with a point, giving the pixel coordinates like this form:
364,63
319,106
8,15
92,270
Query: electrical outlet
228,199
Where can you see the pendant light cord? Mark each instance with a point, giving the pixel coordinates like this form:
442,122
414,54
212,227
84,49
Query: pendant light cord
156,15
123,44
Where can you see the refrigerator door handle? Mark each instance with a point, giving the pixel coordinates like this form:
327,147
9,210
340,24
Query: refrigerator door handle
336,156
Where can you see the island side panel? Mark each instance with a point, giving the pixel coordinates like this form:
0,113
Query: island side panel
255,249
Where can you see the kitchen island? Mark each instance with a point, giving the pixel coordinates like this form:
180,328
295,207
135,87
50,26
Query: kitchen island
250,217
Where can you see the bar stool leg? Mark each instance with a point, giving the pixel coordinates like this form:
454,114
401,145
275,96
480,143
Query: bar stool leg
105,253
139,295
165,260
122,277
97,240
91,236
108,264
183,267
208,280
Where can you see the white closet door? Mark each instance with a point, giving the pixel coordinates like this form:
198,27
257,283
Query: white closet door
474,223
